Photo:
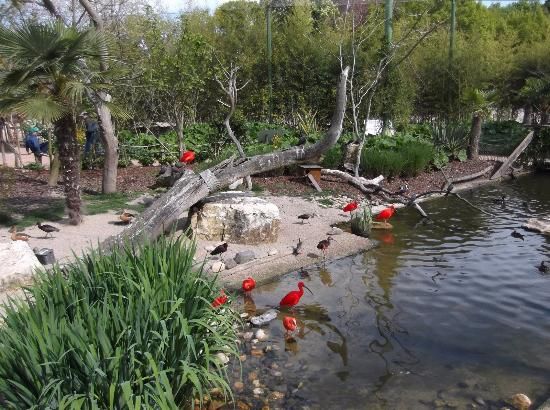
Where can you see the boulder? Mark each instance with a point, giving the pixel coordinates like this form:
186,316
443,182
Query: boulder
541,225
244,256
17,262
237,218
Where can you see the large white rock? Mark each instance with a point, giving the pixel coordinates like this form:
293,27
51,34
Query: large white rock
538,225
17,262
238,217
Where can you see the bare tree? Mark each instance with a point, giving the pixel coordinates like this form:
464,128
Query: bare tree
191,188
231,90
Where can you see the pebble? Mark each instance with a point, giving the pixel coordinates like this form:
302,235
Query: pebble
252,376
277,395
335,231
274,366
257,352
479,401
241,405
440,403
268,348
276,373
239,386
521,401
218,266
248,336
256,383
261,335
258,391
244,315
222,357
230,264
272,252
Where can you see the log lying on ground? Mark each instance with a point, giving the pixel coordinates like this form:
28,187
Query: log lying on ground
464,178
191,188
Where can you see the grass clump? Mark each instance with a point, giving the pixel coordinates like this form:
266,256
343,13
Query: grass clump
131,329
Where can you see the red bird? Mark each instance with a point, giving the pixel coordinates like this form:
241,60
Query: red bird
386,214
187,157
289,323
292,298
248,284
220,300
352,206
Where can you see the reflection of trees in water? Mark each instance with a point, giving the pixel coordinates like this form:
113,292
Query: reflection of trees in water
378,280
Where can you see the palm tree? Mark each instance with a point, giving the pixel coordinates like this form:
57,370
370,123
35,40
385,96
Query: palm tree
46,72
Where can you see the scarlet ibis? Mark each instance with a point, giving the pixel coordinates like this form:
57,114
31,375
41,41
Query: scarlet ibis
187,157
289,323
517,235
352,206
296,250
219,249
386,214
305,217
220,300
292,298
248,284
324,244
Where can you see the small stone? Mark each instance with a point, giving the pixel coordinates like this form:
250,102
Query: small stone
257,352
268,348
252,376
479,400
335,231
244,315
242,358
440,403
216,392
254,341
256,383
218,266
239,386
248,335
276,373
274,365
264,318
244,256
272,252
241,405
258,391
222,357
230,264
277,395
261,335
521,401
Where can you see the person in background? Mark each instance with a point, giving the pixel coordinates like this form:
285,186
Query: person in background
29,139
92,133
34,145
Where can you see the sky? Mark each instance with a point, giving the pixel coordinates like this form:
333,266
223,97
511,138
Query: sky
175,6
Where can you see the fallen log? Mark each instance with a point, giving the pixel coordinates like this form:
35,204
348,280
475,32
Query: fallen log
464,178
191,188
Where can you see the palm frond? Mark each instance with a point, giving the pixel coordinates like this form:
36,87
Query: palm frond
40,107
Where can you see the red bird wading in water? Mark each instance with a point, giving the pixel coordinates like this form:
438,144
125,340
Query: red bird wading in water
292,298
386,214
248,284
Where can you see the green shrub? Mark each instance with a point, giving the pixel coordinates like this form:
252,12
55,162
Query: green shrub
127,330
500,138
34,166
333,158
441,159
451,137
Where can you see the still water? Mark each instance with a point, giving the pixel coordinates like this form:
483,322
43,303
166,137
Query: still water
442,313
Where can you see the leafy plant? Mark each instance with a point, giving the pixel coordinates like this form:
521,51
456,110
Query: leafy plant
333,157
34,166
130,329
441,159
451,137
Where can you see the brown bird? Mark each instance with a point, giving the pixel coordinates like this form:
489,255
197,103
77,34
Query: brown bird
126,217
18,236
297,250
305,217
219,249
47,228
324,244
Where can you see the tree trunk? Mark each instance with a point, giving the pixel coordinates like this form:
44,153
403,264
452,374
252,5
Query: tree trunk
475,135
527,114
544,117
191,188
54,170
110,145
179,132
69,157
2,147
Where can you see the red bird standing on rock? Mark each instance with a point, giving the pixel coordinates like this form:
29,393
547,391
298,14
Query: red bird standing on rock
292,298
187,157
248,284
220,300
352,206
386,214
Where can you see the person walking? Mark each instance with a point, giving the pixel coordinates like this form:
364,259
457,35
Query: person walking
92,133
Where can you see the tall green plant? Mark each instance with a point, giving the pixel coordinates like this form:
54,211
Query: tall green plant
131,329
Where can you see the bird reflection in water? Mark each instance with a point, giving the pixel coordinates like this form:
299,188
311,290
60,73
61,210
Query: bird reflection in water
388,238
249,305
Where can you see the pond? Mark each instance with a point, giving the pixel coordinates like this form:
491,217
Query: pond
450,313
